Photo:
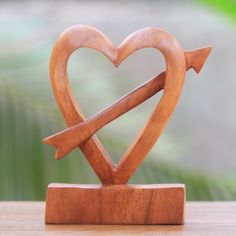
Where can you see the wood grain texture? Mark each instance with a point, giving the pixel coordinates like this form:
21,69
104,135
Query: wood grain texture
177,61
202,219
115,204
71,137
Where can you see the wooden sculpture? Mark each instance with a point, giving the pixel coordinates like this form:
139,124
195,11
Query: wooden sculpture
116,202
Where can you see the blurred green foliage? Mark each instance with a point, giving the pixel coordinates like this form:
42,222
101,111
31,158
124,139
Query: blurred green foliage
227,7
27,166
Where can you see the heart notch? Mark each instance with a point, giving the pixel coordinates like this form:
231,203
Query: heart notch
116,202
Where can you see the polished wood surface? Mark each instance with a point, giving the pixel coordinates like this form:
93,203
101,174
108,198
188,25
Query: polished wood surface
115,204
82,131
202,219
177,62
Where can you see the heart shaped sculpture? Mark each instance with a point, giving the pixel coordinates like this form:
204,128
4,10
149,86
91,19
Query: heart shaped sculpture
81,132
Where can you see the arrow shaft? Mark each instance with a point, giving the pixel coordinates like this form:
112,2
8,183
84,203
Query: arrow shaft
126,103
73,136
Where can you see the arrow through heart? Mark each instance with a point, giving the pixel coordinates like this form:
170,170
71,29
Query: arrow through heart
81,132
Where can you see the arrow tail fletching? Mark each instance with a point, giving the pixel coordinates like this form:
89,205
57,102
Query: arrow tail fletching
59,141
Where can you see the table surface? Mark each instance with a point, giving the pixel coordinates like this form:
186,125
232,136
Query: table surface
202,218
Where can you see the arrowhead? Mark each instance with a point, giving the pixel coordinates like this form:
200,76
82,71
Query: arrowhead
196,58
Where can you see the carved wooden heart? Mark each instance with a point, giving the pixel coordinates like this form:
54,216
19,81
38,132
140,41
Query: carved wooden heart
85,36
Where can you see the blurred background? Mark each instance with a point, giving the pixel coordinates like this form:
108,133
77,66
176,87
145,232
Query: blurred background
197,148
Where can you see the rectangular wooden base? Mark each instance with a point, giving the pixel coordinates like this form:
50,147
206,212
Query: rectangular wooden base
115,204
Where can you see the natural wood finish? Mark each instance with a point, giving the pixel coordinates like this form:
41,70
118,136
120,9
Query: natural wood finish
176,62
72,137
202,219
115,204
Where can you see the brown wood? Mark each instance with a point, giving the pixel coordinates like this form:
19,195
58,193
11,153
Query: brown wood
72,137
202,219
115,204
177,63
